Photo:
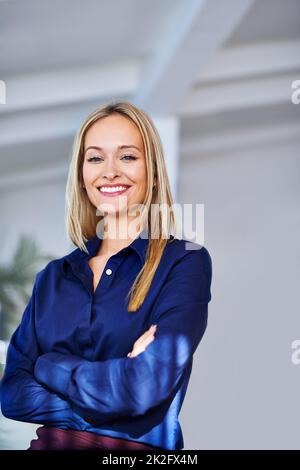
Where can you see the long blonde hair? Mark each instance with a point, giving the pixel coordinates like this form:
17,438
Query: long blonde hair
81,217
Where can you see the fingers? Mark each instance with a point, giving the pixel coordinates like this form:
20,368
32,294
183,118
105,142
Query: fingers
149,332
143,341
147,336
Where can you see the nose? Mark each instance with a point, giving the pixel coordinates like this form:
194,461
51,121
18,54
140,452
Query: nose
109,169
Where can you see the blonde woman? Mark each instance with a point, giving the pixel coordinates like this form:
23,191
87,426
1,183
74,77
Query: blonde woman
103,353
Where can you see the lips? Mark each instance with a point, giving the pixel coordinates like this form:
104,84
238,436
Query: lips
113,193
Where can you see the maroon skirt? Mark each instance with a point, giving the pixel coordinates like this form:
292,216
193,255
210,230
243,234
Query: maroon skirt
51,438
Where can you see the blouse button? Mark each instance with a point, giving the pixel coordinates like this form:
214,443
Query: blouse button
108,272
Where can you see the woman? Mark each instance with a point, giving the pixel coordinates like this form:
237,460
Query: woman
103,354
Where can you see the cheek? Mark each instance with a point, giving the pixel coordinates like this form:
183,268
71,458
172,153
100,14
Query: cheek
87,173
141,188
139,175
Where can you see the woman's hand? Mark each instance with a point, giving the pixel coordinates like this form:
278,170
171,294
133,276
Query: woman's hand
142,342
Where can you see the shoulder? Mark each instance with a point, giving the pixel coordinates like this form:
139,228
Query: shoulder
185,273
189,267
55,267
190,254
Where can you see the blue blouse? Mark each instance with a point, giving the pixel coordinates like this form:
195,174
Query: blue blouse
67,363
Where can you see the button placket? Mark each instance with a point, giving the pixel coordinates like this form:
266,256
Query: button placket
107,276
109,273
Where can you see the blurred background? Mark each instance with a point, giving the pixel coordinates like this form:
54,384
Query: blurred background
217,77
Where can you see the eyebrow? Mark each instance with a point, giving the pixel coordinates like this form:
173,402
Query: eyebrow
120,147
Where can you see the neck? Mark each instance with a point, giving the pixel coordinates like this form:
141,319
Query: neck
119,234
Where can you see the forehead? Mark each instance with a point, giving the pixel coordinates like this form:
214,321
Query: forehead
112,131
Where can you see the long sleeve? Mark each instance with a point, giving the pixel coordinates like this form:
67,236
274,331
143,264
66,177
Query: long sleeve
22,397
130,387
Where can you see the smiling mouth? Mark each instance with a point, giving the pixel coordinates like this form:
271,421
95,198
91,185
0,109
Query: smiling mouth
113,193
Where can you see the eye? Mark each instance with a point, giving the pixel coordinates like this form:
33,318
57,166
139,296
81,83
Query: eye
131,157
127,157
93,159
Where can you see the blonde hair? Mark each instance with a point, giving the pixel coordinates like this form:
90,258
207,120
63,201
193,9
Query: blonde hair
81,217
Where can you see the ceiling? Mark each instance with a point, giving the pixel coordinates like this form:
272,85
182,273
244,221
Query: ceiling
223,68
268,20
45,35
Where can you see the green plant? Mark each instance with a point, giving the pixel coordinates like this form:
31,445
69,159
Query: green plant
16,282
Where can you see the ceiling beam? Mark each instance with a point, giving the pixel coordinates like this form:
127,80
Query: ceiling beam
239,139
235,95
76,85
252,60
198,34
37,177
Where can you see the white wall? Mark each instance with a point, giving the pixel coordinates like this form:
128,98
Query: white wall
244,389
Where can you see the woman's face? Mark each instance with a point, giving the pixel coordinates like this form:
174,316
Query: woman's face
107,165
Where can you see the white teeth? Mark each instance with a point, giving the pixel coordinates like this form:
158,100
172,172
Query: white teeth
112,190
